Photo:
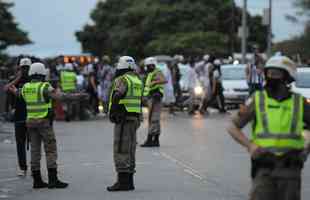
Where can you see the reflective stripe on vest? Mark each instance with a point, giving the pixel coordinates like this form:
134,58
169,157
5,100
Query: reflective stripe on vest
132,100
147,88
279,125
68,81
33,94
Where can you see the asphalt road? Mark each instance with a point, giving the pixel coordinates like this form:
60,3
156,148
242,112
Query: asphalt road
197,160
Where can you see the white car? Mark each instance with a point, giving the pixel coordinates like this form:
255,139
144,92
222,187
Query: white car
302,83
235,86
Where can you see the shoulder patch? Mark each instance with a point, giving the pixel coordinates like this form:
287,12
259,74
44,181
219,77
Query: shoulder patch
249,101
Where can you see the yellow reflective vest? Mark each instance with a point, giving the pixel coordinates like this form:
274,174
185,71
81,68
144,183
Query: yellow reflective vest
33,94
132,100
279,125
68,81
148,89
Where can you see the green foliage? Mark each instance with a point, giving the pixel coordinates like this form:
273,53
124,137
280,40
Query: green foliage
149,27
298,45
193,43
304,6
10,34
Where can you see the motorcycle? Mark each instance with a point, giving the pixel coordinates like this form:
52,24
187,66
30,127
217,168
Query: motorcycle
191,99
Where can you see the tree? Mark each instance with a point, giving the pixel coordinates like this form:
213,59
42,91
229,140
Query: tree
304,7
149,27
10,34
298,45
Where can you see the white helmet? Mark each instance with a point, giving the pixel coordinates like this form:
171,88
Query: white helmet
150,61
37,69
217,62
126,62
282,62
25,62
181,58
178,58
68,66
206,57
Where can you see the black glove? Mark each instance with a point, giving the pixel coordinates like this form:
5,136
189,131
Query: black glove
304,155
116,118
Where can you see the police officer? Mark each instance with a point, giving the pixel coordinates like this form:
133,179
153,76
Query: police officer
68,84
277,145
125,110
154,92
20,116
38,95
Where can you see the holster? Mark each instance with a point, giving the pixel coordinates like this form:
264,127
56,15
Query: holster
117,118
288,165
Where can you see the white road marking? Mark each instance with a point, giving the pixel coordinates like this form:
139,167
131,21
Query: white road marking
9,179
4,196
189,170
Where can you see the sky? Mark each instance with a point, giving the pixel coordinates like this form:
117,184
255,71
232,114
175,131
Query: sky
51,24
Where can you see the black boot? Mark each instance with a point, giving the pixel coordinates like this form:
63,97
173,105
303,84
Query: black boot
53,181
37,180
156,141
131,183
124,183
148,142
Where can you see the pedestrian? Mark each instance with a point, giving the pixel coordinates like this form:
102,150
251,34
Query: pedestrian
176,78
254,73
92,88
154,92
169,98
277,145
20,115
124,111
105,78
38,95
217,86
210,96
68,84
192,83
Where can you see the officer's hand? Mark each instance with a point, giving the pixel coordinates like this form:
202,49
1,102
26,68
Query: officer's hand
12,89
254,150
304,155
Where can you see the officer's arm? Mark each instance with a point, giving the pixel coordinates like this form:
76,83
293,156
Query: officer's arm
160,79
119,90
54,94
307,124
13,82
240,120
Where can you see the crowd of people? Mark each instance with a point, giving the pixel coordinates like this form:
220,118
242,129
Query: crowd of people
94,77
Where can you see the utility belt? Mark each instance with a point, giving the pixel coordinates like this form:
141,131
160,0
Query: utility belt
156,94
120,115
287,165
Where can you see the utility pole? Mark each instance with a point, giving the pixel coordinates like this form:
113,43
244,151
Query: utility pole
269,45
244,31
232,28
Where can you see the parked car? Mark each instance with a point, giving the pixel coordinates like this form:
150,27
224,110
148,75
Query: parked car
235,86
302,83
